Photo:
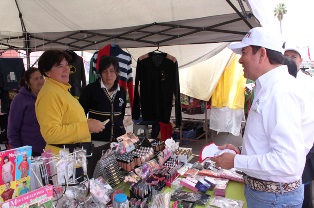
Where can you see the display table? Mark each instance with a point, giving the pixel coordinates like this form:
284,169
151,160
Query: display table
235,190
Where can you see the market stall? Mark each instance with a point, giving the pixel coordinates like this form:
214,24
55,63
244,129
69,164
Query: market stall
68,26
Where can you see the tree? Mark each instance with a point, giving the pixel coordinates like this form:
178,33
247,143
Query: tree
279,11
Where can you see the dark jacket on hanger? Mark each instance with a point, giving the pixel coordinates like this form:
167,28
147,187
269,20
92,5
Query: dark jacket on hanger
157,78
11,71
97,103
77,77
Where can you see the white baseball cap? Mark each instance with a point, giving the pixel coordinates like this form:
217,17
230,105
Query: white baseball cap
291,47
259,36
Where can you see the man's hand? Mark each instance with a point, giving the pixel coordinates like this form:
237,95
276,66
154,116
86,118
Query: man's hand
225,161
231,147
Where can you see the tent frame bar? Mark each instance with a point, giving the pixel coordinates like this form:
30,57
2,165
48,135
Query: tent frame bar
166,33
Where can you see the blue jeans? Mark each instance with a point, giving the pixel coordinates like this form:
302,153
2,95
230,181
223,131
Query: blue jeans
259,199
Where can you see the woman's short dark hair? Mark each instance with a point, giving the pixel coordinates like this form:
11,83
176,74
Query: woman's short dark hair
107,61
51,58
292,66
27,76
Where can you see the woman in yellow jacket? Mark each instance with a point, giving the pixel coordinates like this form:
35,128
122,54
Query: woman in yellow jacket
61,117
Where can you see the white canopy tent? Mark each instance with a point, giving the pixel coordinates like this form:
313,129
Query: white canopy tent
37,25
192,31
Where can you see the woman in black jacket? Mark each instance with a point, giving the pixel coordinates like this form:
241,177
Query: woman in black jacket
105,99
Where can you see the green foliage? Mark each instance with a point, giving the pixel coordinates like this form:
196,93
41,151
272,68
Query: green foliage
279,11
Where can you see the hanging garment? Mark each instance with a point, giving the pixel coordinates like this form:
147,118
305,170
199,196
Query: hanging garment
165,130
93,76
126,75
227,110
156,83
11,71
77,78
125,66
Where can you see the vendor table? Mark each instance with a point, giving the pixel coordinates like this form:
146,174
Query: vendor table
235,190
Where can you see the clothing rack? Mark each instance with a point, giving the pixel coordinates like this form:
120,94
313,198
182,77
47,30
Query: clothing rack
197,138
205,127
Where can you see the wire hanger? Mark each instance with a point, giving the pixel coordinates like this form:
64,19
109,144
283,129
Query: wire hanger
114,44
157,50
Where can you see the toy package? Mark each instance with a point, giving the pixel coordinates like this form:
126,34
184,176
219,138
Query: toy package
41,197
14,172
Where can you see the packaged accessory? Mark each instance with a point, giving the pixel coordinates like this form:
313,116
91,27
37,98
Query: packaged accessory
87,146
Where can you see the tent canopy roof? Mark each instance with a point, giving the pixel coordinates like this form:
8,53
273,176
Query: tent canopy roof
90,25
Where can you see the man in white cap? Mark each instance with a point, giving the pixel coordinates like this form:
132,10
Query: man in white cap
278,131
307,81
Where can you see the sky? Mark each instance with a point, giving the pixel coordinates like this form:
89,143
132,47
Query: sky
297,24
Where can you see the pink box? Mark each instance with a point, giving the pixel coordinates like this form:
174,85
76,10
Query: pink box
188,184
40,196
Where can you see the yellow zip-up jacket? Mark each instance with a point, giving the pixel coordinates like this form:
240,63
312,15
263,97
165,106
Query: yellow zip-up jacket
61,117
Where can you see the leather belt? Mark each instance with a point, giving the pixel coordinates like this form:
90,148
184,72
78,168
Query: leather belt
270,186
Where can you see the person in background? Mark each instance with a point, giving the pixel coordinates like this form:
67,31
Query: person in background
105,99
292,66
278,132
249,96
23,127
61,117
308,83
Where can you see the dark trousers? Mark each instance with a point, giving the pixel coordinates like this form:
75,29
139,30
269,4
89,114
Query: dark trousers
307,178
307,203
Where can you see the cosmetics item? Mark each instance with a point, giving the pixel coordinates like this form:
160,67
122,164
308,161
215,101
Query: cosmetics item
211,182
140,190
188,184
202,186
221,186
191,172
198,198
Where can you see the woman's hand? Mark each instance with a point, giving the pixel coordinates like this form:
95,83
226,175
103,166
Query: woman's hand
95,126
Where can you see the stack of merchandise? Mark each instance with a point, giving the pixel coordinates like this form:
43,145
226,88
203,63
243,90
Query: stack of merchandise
15,181
147,168
15,172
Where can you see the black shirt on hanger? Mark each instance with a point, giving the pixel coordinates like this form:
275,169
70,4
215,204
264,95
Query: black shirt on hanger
157,78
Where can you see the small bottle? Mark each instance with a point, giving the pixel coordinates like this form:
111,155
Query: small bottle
120,201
